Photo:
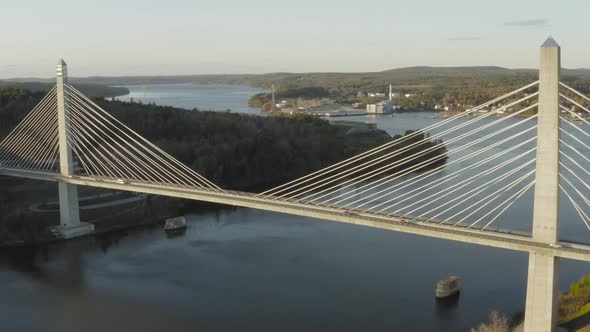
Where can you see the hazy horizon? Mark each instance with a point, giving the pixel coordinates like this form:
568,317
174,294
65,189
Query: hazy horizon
182,37
268,73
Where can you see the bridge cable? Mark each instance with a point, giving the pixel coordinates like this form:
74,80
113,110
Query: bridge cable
572,200
482,203
314,175
451,189
103,113
574,91
92,123
31,116
479,190
371,163
89,124
462,184
30,135
402,161
511,201
31,146
94,120
438,182
83,133
392,177
201,181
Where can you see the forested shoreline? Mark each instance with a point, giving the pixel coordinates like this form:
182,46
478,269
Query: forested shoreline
233,150
245,152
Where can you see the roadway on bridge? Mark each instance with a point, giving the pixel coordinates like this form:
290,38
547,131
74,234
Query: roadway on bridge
495,238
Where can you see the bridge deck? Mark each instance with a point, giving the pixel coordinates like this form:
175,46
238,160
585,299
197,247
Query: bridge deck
498,238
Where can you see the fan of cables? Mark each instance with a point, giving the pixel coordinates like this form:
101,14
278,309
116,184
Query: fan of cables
33,143
574,149
465,170
106,148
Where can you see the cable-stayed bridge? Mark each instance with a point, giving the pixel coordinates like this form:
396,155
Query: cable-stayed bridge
456,179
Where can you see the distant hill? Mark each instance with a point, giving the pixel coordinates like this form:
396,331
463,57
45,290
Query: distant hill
92,90
581,73
450,70
392,74
419,78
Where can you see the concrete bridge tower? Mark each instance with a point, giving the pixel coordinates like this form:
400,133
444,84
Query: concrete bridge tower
543,271
70,225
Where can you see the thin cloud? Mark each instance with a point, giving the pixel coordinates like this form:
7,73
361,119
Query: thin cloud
465,38
534,23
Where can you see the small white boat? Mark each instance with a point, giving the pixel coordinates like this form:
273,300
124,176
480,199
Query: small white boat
447,287
175,224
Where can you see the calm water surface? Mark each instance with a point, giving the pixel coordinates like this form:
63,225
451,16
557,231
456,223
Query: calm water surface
190,96
250,270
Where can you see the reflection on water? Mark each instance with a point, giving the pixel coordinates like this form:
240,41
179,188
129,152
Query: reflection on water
252,270
447,308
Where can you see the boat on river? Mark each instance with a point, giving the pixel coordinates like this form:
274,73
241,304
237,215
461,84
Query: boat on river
177,224
447,287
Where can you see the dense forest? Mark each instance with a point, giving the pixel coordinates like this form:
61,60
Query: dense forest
93,90
14,105
233,150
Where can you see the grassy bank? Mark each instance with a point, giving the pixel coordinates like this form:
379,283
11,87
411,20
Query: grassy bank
573,311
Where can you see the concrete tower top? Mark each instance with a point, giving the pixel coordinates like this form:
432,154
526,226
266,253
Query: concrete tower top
62,68
550,42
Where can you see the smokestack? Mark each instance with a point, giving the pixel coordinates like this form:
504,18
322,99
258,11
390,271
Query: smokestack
390,92
273,98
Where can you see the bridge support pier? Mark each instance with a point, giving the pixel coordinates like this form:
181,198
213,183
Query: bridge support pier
69,214
69,210
543,272
542,293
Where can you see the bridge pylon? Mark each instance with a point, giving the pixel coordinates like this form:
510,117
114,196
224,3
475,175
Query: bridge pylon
69,210
543,269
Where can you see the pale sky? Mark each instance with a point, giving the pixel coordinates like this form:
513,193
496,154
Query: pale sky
155,37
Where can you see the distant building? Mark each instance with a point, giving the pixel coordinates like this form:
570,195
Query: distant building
380,108
375,95
408,95
358,105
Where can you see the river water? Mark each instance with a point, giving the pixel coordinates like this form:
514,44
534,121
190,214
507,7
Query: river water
189,96
249,270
